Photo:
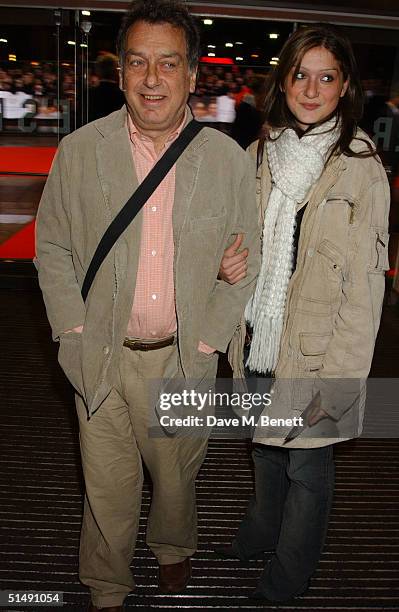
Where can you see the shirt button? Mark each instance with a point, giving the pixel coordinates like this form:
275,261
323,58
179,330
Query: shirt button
154,208
154,296
153,253
106,350
310,252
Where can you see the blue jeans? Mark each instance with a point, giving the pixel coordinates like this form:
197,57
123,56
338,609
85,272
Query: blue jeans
288,514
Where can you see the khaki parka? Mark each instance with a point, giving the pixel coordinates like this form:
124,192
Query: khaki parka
334,300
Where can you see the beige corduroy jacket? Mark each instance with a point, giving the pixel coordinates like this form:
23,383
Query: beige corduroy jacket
91,179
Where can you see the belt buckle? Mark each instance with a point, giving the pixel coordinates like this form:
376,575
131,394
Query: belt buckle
131,344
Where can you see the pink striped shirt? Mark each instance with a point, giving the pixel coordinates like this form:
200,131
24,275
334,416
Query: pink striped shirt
153,314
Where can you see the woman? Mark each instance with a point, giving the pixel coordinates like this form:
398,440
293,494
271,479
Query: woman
324,201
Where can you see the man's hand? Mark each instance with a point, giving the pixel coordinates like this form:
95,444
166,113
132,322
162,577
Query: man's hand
233,267
317,413
205,348
77,330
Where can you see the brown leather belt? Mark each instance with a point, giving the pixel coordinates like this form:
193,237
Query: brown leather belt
151,345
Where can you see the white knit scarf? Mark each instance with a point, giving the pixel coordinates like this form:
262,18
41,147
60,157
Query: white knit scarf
295,166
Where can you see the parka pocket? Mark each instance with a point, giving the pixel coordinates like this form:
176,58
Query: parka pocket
378,259
313,348
334,257
346,201
334,269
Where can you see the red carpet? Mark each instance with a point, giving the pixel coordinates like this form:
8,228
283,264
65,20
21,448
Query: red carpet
26,159
21,245
36,160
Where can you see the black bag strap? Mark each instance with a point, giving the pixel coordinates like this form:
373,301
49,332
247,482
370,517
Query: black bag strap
137,201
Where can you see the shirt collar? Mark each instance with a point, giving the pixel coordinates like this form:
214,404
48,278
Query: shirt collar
136,135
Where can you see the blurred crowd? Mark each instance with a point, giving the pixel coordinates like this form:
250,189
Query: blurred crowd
230,97
37,81
41,80
216,80
227,95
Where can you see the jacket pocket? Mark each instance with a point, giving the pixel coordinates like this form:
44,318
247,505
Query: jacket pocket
323,276
334,268
347,202
203,224
378,259
313,348
334,257
69,358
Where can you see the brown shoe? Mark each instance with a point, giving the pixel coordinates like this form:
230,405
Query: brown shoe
174,578
92,608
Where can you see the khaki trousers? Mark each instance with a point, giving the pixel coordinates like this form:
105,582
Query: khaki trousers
113,444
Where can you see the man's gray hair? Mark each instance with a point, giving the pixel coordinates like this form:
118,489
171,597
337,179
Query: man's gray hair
161,11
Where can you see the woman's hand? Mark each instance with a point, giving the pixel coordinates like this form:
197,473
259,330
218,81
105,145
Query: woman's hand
317,413
233,267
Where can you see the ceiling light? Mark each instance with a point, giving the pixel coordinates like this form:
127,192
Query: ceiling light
211,46
239,43
208,21
84,45
86,13
273,62
12,58
3,40
229,45
254,55
211,54
239,59
71,42
275,59
273,35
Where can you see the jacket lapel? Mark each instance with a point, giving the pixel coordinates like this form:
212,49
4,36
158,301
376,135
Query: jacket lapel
187,168
118,180
116,169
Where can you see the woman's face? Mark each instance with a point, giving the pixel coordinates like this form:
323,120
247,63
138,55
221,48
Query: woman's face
312,93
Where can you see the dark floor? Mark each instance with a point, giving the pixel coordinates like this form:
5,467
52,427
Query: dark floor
41,494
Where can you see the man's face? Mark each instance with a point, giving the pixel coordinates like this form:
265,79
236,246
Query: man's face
156,77
199,110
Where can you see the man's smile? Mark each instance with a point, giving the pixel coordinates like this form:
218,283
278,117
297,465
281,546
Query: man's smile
152,98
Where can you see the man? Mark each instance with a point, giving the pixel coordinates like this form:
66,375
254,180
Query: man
107,96
155,306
